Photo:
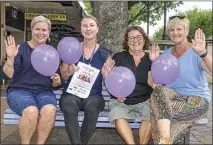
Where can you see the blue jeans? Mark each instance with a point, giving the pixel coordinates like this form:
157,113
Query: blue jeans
18,100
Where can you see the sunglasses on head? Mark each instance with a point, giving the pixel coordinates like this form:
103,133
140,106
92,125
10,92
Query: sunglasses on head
179,17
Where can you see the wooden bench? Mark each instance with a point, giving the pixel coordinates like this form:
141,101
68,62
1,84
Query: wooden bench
103,122
12,118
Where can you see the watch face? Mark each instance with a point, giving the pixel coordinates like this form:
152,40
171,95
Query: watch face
204,55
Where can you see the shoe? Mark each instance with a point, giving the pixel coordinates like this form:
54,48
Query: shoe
164,140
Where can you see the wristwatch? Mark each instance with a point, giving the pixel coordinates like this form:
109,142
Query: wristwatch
204,55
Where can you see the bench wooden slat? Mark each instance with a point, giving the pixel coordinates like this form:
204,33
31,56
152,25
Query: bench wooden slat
61,123
105,107
11,118
106,102
9,115
104,91
106,97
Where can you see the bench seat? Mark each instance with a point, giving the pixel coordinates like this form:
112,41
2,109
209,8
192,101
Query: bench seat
103,122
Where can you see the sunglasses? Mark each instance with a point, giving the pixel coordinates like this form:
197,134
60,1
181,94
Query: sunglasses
179,17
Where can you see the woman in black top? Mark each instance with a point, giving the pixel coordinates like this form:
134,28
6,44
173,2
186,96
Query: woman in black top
136,105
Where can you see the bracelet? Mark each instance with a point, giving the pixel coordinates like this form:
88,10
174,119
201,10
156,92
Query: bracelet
204,55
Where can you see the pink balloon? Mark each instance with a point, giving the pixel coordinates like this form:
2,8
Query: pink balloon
69,49
45,59
120,82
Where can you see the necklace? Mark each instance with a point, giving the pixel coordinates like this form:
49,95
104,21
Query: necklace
32,44
91,55
182,51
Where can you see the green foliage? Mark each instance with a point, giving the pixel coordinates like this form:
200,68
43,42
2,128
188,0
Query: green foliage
88,7
138,11
198,19
158,34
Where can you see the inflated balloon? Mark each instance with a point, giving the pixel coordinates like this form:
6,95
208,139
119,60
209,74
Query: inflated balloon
45,59
120,82
165,69
69,49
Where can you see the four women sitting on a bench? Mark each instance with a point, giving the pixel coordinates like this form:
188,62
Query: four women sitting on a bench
166,112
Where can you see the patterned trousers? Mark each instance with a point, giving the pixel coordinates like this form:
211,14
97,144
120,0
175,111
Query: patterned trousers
182,111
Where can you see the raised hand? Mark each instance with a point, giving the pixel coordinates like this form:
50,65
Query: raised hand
155,85
108,65
154,52
11,48
199,43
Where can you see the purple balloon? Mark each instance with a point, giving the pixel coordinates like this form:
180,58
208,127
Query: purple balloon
165,69
45,59
69,49
120,82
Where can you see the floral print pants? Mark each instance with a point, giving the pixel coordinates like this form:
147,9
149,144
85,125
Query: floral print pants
182,111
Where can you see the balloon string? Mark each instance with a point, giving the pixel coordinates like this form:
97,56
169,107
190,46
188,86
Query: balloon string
91,56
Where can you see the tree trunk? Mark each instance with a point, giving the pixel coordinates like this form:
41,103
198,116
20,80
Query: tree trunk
113,19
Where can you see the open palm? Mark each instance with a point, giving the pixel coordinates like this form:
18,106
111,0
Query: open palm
11,48
154,52
199,43
108,65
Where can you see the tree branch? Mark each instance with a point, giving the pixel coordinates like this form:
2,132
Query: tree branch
139,13
131,3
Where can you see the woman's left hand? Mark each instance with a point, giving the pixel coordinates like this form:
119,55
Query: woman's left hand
56,79
199,43
108,65
155,85
154,52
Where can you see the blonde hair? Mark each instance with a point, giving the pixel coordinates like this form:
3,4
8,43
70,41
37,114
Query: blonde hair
93,18
41,18
185,22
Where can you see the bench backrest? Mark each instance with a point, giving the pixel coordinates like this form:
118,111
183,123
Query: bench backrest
105,94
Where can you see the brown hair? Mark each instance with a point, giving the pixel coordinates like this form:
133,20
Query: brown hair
146,38
91,17
96,21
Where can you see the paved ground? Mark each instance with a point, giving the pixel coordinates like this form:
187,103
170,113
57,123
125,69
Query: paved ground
9,133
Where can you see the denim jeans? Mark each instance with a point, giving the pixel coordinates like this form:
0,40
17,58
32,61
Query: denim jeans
18,100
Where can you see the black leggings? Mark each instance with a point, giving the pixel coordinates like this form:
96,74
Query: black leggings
70,105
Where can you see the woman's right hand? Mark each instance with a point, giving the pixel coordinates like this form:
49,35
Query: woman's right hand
121,100
72,69
154,52
155,85
108,66
11,48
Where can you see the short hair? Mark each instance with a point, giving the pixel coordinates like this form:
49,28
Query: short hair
41,18
178,20
141,30
93,18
